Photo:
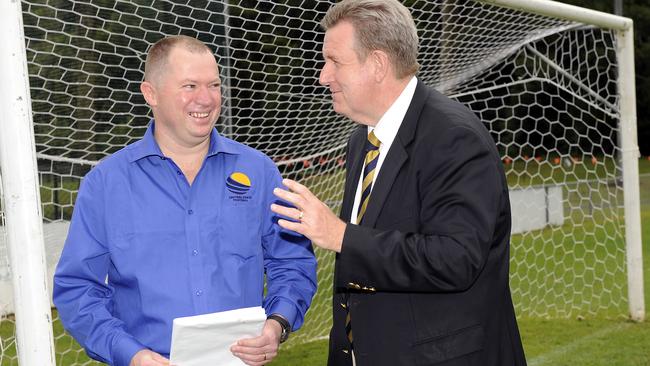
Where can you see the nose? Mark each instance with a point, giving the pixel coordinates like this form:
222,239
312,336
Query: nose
206,97
325,77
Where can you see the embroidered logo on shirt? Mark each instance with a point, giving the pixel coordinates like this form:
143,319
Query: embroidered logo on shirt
239,184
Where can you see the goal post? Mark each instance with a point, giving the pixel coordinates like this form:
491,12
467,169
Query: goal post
553,83
630,156
22,226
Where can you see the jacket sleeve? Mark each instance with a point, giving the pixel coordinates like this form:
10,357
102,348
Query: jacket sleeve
462,195
81,294
289,263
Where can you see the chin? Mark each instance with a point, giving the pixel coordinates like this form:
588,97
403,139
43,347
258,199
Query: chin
344,113
338,108
201,127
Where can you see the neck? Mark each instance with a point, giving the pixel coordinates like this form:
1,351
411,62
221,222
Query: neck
188,158
387,93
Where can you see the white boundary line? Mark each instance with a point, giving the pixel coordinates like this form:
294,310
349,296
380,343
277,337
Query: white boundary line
548,358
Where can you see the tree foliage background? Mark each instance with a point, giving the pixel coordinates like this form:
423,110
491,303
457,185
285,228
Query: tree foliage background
86,57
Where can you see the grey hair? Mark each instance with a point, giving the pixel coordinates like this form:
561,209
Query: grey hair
384,25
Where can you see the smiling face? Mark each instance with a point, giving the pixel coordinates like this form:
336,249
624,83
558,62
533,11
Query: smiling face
350,80
185,98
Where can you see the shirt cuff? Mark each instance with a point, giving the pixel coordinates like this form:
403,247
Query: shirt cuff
288,311
124,349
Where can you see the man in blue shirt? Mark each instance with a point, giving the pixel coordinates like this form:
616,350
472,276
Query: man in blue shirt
179,224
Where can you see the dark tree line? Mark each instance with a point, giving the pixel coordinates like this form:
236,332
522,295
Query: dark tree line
639,11
86,60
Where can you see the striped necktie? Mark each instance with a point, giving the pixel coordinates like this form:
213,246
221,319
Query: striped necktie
369,165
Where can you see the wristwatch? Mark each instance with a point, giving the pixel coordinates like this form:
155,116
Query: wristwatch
286,328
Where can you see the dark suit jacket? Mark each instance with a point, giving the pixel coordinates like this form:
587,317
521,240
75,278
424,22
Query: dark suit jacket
427,272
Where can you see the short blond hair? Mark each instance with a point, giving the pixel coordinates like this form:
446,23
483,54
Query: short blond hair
384,25
159,53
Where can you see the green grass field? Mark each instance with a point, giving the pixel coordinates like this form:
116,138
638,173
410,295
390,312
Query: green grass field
604,338
595,332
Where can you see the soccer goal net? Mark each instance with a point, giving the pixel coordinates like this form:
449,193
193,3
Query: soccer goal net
546,80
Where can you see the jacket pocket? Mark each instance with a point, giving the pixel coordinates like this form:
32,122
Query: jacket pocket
448,346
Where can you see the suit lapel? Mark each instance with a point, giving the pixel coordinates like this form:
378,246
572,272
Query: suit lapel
389,169
396,157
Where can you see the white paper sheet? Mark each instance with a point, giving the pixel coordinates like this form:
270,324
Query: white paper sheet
205,340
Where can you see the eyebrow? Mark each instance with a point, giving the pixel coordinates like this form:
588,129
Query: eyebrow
218,80
330,57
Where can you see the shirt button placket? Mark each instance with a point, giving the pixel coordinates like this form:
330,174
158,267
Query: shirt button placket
193,243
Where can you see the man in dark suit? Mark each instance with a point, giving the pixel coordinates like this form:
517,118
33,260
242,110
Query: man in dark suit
421,273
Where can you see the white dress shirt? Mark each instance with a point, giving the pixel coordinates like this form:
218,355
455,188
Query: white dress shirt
386,130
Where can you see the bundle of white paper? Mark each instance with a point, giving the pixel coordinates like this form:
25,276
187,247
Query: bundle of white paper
205,340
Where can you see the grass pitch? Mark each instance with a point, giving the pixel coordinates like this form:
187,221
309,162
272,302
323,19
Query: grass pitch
583,335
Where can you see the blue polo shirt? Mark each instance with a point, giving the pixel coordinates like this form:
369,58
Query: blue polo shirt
145,247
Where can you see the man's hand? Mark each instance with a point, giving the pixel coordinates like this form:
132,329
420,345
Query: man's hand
147,357
260,350
315,220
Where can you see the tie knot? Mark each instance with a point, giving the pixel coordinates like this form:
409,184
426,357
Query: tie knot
373,142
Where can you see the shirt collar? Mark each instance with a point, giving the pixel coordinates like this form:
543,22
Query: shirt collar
148,146
388,125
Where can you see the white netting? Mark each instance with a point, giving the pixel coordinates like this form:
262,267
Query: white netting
552,108
544,87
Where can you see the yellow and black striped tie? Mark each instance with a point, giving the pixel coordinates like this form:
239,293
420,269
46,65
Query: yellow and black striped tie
369,165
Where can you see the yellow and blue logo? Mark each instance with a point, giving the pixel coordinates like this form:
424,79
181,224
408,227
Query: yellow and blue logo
238,183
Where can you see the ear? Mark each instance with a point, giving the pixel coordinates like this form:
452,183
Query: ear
381,64
149,93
